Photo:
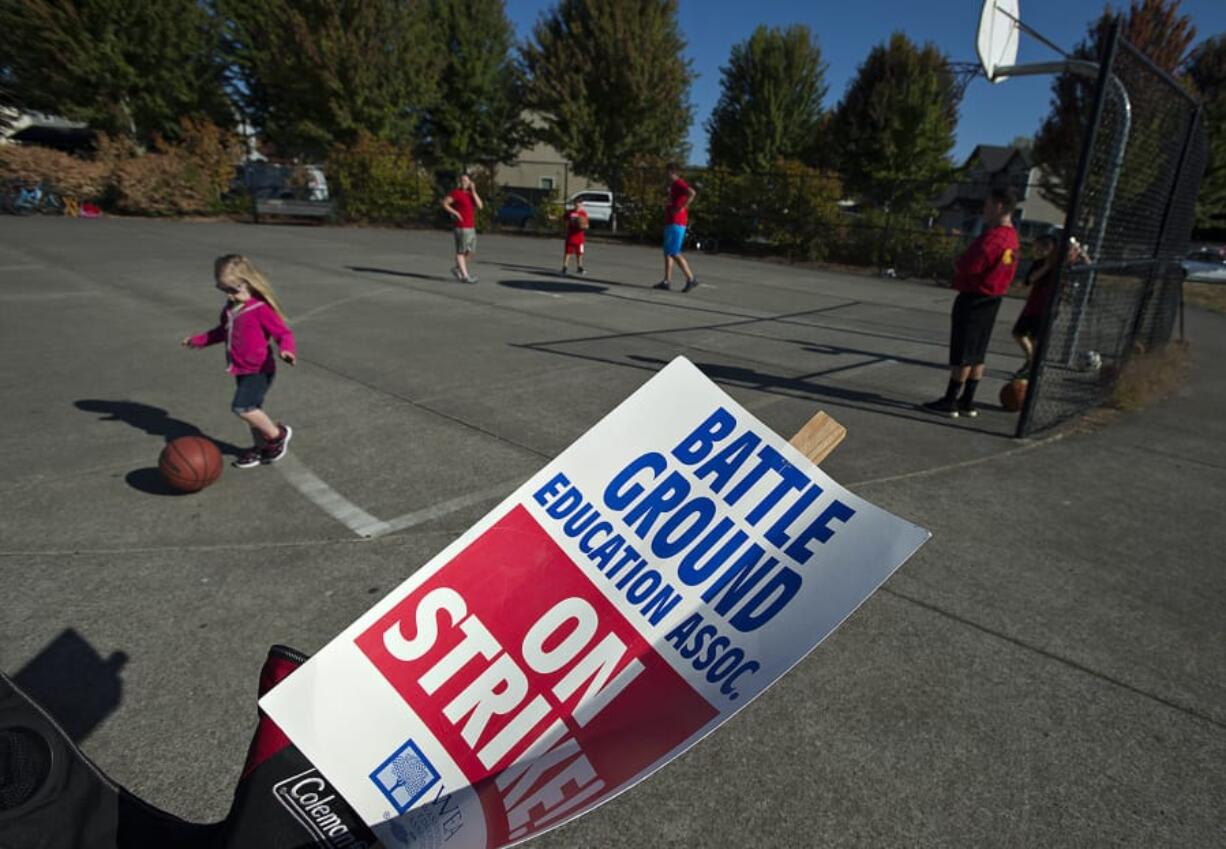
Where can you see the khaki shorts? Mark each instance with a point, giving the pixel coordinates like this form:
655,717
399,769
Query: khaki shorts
465,240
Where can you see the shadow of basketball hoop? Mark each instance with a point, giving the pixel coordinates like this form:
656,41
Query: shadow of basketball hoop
74,683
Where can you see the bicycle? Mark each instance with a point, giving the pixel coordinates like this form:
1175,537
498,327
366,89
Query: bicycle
20,200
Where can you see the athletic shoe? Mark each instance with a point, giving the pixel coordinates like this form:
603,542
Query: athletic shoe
967,410
1023,373
250,458
690,285
472,278
456,273
582,270
275,449
663,284
942,406
564,271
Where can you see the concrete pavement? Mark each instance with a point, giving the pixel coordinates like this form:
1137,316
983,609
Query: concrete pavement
1048,670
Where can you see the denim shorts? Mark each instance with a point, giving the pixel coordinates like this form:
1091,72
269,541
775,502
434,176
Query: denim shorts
674,238
250,390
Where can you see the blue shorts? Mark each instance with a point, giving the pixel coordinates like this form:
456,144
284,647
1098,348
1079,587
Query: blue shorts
674,238
250,390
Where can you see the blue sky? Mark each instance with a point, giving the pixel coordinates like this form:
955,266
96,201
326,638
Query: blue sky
847,30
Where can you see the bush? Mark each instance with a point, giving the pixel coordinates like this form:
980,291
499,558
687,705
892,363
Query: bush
187,177
69,175
376,181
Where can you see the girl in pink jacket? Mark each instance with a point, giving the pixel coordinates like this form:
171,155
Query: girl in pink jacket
249,320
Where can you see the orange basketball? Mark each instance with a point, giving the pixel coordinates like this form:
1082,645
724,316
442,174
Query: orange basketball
1013,395
190,463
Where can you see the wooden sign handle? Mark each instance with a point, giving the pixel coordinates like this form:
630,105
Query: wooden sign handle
820,436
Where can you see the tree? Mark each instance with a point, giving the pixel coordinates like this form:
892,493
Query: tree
1154,27
132,67
894,129
609,83
770,105
1206,70
477,116
314,73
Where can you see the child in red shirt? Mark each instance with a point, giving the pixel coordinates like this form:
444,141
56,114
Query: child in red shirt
577,222
981,276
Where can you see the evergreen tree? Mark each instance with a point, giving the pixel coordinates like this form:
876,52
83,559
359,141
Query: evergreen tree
770,105
894,129
1206,71
477,116
314,73
129,67
1154,27
610,84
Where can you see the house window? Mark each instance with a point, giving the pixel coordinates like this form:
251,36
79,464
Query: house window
547,183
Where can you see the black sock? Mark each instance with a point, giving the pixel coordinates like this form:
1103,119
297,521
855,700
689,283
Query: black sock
968,394
952,390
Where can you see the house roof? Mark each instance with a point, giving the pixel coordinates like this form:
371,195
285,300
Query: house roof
995,157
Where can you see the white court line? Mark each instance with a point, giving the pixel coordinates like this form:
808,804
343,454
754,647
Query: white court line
324,307
362,523
329,500
417,517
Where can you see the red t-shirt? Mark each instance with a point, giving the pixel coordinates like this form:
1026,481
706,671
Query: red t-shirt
462,202
678,197
574,229
1040,285
988,265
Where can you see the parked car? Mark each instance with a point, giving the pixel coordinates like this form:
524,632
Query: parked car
269,180
598,204
1206,265
515,211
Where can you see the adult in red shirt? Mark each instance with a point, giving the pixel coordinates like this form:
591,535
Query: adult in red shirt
981,276
462,205
676,219
577,222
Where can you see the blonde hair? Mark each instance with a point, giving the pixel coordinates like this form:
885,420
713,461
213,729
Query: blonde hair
239,267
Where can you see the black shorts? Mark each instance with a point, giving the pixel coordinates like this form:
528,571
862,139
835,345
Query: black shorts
250,390
973,318
1028,325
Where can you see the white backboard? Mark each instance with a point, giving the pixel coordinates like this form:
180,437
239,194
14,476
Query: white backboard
997,39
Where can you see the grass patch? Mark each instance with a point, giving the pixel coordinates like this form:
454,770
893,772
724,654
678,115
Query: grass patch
1208,295
1151,376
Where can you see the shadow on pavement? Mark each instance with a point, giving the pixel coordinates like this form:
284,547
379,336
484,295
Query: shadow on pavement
150,481
365,269
551,286
74,683
152,420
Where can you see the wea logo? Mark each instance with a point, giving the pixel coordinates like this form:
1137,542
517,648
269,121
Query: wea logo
405,776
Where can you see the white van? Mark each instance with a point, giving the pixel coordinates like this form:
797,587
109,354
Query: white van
598,204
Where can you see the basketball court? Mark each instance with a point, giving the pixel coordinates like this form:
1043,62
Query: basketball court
993,682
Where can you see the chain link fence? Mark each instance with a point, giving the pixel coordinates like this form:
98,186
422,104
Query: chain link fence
1143,153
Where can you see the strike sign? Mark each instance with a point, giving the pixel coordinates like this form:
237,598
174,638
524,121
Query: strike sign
633,595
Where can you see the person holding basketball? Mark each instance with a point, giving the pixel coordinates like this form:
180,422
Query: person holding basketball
676,217
981,276
576,220
250,319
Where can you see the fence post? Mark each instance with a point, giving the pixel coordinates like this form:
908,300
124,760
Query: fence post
1070,219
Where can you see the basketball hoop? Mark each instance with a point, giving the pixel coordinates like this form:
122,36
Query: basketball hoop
962,73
